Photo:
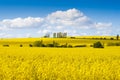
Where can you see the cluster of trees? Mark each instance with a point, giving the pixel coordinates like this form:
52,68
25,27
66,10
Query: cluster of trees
40,44
117,38
101,38
54,44
113,44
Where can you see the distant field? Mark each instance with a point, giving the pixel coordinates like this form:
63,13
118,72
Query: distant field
83,40
59,63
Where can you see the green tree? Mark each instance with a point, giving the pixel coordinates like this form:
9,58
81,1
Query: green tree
98,45
38,43
117,37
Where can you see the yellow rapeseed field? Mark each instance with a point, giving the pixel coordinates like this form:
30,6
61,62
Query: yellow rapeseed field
59,63
83,40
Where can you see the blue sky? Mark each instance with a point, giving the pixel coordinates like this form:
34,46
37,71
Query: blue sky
35,18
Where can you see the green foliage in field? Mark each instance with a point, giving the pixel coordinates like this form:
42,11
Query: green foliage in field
113,44
80,46
38,44
98,45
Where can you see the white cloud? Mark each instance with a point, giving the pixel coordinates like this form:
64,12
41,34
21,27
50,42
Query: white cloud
84,34
28,35
69,18
43,31
103,32
72,21
20,22
100,25
5,35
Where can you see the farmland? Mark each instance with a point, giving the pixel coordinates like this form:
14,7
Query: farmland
48,63
59,63
84,40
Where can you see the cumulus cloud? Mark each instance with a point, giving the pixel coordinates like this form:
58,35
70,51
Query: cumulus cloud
69,18
28,35
5,35
100,25
103,32
45,31
72,21
20,23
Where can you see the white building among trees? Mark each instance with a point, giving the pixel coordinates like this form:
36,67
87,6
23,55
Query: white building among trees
59,35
